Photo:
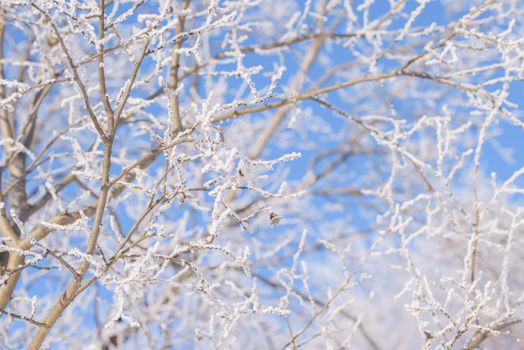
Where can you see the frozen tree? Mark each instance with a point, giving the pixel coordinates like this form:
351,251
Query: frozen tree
261,174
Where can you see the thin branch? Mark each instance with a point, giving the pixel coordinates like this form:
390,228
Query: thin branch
23,318
76,76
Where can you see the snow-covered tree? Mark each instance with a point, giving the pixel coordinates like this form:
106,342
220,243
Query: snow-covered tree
261,174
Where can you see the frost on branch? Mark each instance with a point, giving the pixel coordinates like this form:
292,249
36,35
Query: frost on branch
268,174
